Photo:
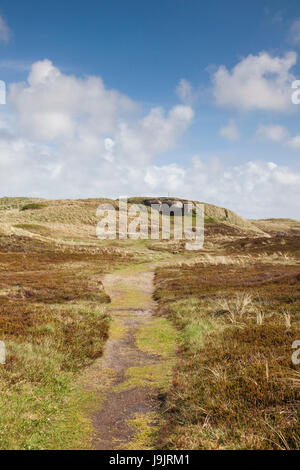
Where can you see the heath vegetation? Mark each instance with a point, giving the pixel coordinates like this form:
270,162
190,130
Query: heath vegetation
234,386
235,305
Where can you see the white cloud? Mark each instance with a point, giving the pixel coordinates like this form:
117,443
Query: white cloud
74,137
185,92
257,82
153,134
55,106
275,133
294,142
255,189
77,115
188,94
294,32
230,131
5,32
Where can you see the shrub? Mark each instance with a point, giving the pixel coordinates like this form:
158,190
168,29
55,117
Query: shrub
33,206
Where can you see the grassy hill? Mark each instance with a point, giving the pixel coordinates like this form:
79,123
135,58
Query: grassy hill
277,226
76,220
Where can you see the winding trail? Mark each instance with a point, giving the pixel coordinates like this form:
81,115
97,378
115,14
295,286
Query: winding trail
135,365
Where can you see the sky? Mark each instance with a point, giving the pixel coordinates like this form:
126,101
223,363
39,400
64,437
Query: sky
185,98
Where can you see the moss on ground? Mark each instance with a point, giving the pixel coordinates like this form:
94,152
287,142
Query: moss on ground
154,376
144,426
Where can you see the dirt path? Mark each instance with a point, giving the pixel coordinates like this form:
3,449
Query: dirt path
136,365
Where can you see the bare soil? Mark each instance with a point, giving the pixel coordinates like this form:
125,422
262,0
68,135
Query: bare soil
112,430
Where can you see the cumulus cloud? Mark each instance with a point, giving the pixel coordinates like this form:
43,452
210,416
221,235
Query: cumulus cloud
230,131
5,31
153,134
78,115
54,106
74,137
185,92
275,133
255,189
294,142
259,82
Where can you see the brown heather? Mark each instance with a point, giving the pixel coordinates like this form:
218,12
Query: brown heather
234,386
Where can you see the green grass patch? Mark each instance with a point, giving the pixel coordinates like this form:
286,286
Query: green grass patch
154,376
33,206
145,431
40,407
158,336
193,321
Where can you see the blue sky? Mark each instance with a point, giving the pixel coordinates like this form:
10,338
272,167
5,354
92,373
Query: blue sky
208,113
